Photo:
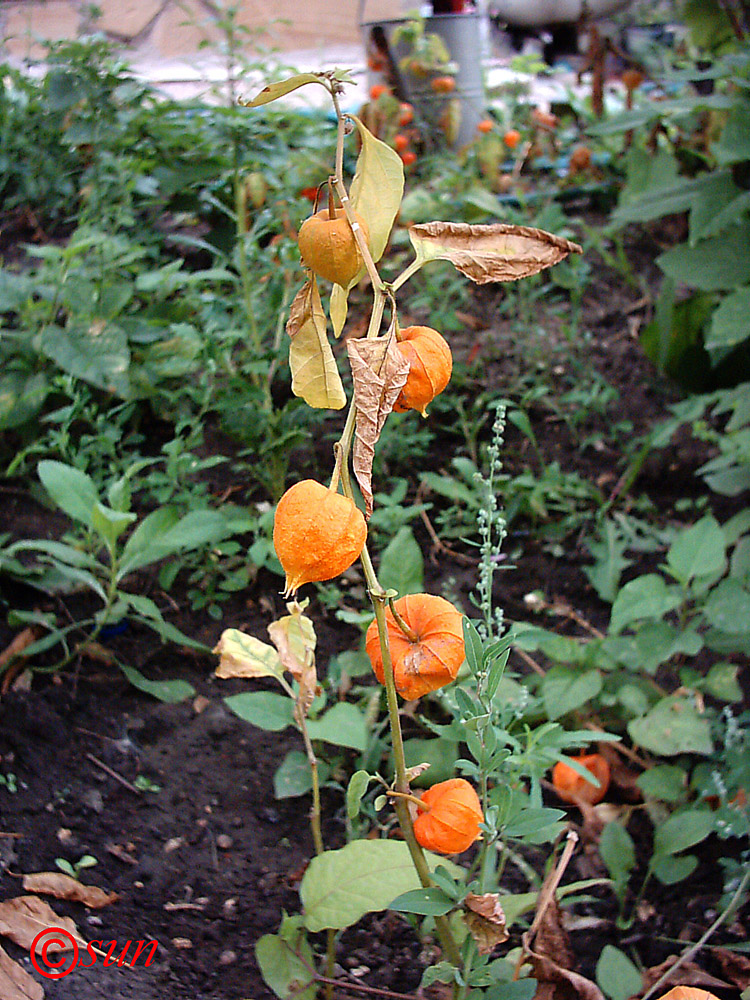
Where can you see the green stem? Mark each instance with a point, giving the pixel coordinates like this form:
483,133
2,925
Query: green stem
240,206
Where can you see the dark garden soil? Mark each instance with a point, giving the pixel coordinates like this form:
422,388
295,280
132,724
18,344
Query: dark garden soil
206,861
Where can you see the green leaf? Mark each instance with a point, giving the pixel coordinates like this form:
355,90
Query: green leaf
440,754
341,886
721,682
617,851
713,264
170,692
664,782
728,607
617,976
682,830
472,646
264,709
96,352
161,534
72,490
21,397
355,790
275,90
564,690
729,323
293,776
646,597
734,144
286,961
669,869
431,902
401,564
672,726
110,524
343,725
698,551
377,188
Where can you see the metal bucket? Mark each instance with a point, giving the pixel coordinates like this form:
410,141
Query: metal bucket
463,37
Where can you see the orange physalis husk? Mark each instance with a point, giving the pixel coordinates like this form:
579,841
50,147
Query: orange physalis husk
688,993
451,821
328,247
430,662
430,366
572,787
317,534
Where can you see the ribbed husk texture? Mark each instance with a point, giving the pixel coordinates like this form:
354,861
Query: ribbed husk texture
317,534
430,366
434,659
328,247
451,822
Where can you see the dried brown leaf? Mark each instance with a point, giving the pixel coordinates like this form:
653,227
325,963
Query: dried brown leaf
379,372
23,917
736,967
64,887
485,919
686,974
552,961
499,252
16,983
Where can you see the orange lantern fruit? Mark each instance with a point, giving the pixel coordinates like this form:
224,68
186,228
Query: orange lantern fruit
430,366
511,138
688,993
405,113
443,84
573,787
431,656
328,247
580,159
486,125
450,822
317,534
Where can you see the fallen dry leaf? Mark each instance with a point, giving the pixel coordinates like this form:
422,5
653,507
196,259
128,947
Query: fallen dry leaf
65,887
686,974
485,919
552,962
736,967
499,252
16,983
23,917
379,372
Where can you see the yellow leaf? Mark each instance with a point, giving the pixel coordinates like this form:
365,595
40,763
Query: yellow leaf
499,252
294,637
377,188
315,377
276,90
338,309
242,655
